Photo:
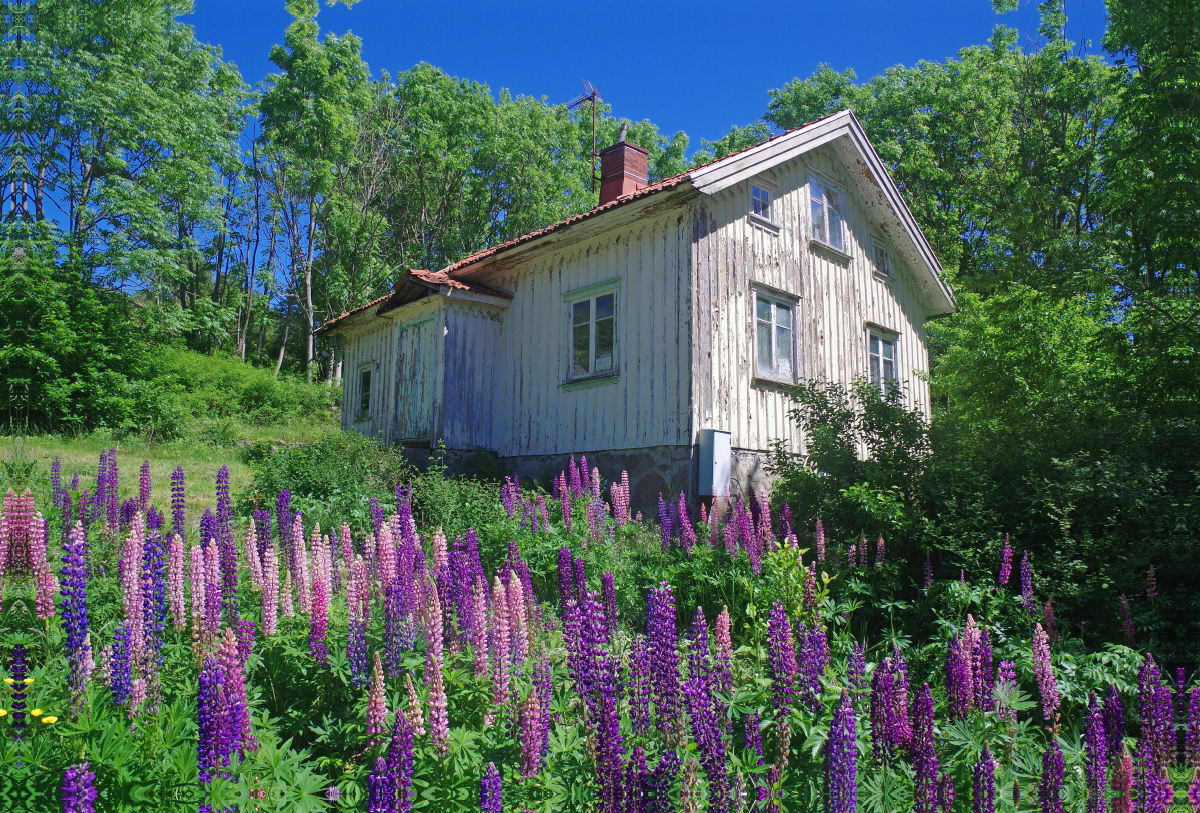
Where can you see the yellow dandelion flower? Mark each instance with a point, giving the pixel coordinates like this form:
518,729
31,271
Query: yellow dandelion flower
28,681
3,713
8,681
49,718
36,713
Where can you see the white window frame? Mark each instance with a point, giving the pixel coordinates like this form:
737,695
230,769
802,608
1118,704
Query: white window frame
827,186
878,246
876,359
777,300
591,295
769,218
365,369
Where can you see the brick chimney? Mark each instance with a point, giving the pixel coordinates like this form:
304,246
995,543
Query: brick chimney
622,169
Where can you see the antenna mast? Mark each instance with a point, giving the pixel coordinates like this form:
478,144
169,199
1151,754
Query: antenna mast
591,93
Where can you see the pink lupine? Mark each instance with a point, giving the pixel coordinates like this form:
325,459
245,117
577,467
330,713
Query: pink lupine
415,716
232,663
531,722
595,482
479,632
47,585
620,500
564,497
212,592
131,585
137,696
687,533
175,578
1044,671
318,623
518,629
361,581
439,722
252,560
500,644
286,607
441,559
197,578
376,706
270,591
820,536
385,553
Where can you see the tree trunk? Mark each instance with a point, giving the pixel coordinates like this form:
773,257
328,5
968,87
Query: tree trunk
287,323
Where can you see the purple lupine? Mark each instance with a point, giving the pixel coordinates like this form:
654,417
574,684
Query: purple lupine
781,651
1155,715
812,662
120,668
924,757
67,516
1049,621
73,581
887,727
664,655
608,590
609,749
819,535
659,782
945,793
856,667
112,483
1027,585
984,676
56,487
1006,555
378,785
841,769
283,522
1044,671
210,714
400,762
639,685
1191,737
143,500
16,706
1114,722
154,591
128,511
79,789
707,728
262,530
983,784
178,503
928,583
1096,758
687,533
1051,785
664,523
490,800
958,677
808,592
1154,790
566,579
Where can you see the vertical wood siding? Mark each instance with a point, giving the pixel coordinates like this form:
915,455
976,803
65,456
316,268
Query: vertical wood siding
472,356
649,404
838,299
372,346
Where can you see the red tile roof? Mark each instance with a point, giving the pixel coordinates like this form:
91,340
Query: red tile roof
331,322
442,278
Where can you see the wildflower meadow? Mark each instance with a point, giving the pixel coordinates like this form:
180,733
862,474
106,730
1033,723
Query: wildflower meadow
544,651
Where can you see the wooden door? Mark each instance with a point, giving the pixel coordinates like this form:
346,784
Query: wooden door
415,375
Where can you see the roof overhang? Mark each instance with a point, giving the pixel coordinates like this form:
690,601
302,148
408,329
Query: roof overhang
416,284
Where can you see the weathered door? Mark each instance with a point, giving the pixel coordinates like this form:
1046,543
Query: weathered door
415,387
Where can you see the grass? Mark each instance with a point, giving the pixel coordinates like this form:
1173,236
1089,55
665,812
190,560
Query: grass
200,457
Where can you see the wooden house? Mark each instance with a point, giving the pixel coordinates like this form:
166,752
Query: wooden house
690,303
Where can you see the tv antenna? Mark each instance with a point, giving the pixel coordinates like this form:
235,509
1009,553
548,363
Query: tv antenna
591,93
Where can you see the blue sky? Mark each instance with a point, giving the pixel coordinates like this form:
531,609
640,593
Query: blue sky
695,66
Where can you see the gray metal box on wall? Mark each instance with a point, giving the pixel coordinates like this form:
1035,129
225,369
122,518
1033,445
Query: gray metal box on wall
714,462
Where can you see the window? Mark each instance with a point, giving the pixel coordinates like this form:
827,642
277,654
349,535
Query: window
882,261
828,207
882,359
364,394
760,202
593,332
773,337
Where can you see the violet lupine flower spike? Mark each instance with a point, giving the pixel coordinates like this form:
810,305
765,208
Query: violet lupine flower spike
1006,554
707,725
1044,671
79,789
664,656
925,761
841,770
1191,738
1050,787
1027,585
983,784
781,648
490,800
1096,759
1114,723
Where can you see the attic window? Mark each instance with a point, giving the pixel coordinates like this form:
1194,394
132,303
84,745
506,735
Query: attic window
828,213
882,260
760,201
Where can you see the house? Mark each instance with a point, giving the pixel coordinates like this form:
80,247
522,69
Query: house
687,304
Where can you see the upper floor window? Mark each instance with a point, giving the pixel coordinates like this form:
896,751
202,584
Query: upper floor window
882,359
828,214
882,260
593,334
364,394
760,201
773,337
